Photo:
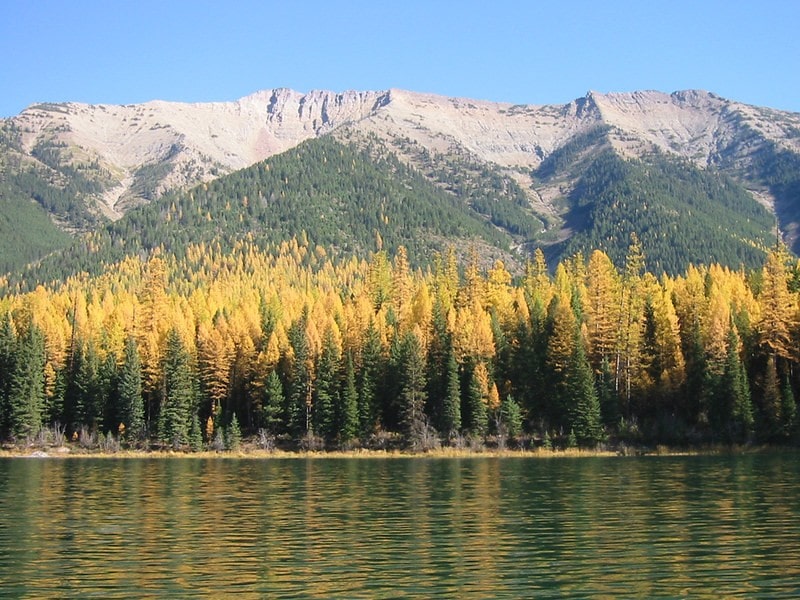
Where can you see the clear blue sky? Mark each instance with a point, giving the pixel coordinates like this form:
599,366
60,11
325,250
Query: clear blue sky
522,51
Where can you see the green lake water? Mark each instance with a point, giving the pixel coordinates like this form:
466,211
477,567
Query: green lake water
391,528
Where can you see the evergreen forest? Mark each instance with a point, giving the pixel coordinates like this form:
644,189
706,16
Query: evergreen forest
293,345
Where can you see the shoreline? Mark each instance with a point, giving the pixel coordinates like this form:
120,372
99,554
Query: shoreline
250,453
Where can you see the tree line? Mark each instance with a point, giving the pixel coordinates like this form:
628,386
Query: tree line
296,348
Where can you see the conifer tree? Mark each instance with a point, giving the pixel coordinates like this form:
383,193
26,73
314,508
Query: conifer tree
788,408
195,433
771,401
81,390
510,416
348,412
437,360
326,389
732,414
274,400
233,435
607,395
368,382
411,371
584,406
92,383
777,306
562,333
8,358
602,308
26,393
476,417
451,407
174,416
129,390
300,379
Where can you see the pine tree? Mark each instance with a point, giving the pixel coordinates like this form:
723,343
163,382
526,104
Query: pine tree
233,435
696,386
771,401
732,409
348,414
110,406
607,395
272,406
584,406
78,389
511,416
326,389
561,339
195,433
8,358
476,417
26,393
92,386
129,390
411,371
368,382
174,416
437,361
451,410
300,379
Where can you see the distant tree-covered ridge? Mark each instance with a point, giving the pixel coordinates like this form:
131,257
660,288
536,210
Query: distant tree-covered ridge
355,198
31,195
195,350
683,215
348,199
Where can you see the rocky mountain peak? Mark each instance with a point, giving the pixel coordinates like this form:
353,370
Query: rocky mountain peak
142,150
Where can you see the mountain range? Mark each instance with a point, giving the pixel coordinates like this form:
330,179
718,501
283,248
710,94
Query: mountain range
697,177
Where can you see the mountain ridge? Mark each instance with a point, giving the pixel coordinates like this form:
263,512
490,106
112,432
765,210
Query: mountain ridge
116,157
218,137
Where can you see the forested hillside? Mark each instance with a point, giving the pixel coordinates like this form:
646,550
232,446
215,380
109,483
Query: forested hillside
349,200
356,198
33,195
699,178
195,351
683,215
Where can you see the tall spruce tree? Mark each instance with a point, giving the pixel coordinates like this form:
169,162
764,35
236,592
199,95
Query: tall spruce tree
8,359
91,382
411,371
437,365
272,406
347,413
584,406
176,407
300,379
129,391
451,406
326,389
368,382
27,393
476,416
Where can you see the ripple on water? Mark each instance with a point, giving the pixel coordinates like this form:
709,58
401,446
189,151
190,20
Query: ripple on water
484,527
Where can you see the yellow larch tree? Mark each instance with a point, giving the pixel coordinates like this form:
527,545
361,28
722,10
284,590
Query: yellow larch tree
601,311
778,307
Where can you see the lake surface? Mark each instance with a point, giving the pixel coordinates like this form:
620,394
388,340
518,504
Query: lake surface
378,528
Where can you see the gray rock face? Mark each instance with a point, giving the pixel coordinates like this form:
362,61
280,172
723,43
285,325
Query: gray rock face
139,151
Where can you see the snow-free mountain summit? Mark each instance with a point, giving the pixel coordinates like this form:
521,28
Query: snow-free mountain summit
88,164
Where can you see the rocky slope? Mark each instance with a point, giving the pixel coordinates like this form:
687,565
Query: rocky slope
134,153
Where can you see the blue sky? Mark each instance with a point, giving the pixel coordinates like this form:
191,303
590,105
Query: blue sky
525,51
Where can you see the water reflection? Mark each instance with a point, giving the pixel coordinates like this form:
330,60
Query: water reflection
485,527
